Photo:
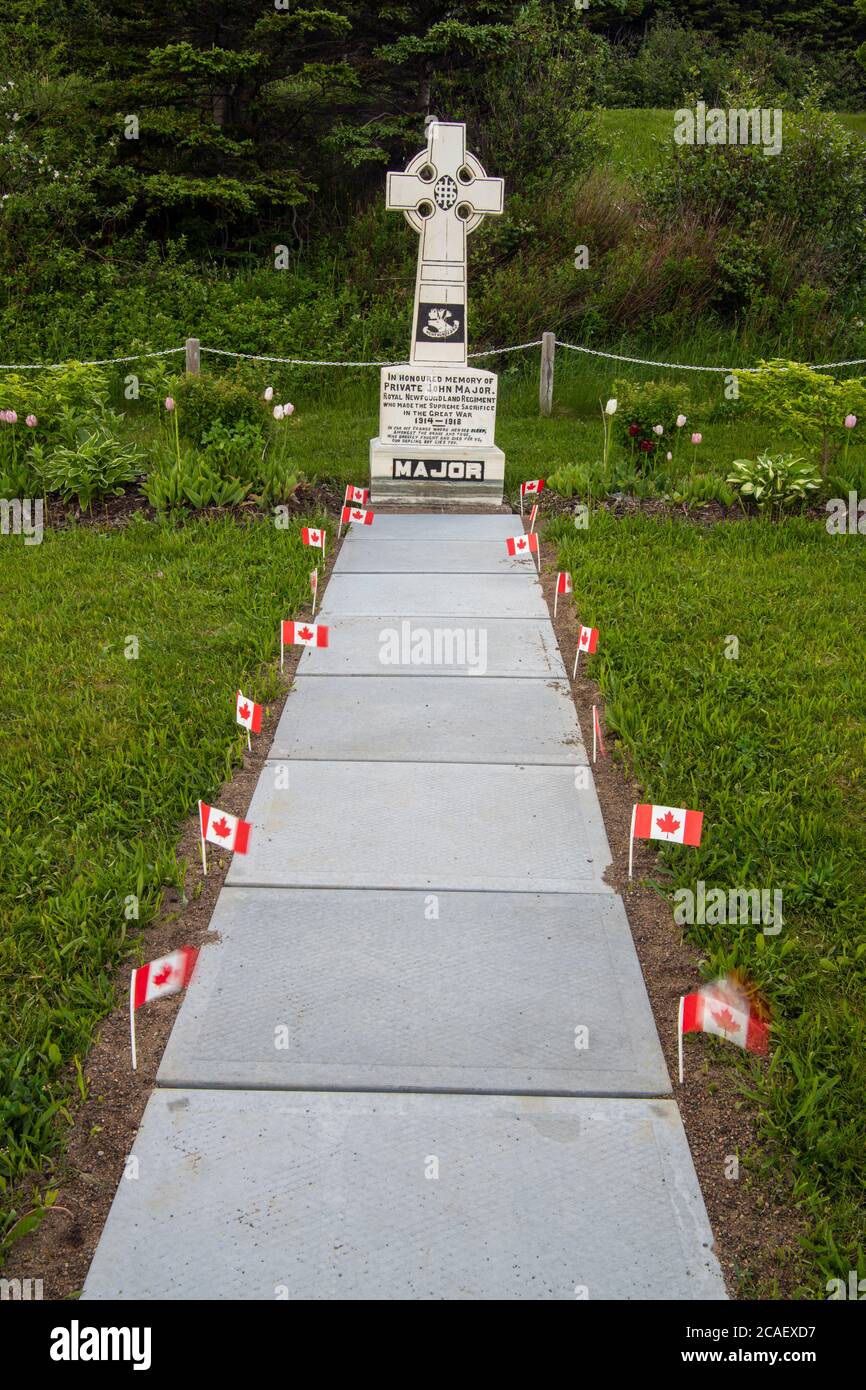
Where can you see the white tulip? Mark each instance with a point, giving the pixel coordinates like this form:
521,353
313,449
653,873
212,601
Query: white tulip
610,408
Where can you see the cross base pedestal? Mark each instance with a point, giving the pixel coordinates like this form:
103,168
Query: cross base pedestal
423,473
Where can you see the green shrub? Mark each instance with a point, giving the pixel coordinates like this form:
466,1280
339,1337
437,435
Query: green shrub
74,392
203,402
234,450
641,406
811,406
774,483
702,487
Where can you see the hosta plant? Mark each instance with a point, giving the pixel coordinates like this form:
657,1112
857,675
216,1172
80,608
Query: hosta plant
96,465
774,483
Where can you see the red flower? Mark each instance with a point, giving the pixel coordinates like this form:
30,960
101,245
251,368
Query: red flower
633,429
646,445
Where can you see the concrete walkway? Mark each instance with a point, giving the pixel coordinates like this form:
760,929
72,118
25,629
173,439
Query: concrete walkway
420,1062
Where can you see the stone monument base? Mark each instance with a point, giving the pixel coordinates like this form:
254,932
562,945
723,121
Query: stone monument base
417,474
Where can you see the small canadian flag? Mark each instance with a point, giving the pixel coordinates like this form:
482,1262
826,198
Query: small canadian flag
249,714
361,518
525,544
672,823
597,736
302,635
168,975
535,485
305,634
310,536
223,829
532,516
587,641
722,1008
563,586
357,494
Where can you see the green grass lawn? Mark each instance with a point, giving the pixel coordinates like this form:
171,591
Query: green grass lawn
771,747
103,757
632,138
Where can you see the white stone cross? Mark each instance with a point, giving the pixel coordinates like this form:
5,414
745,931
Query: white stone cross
444,193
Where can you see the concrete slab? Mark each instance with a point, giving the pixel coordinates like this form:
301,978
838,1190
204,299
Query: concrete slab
268,1194
430,557
430,595
379,994
436,719
472,826
515,647
390,526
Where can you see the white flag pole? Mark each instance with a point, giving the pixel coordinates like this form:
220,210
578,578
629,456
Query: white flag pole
281,646
249,744
521,499
576,655
538,560
203,850
555,598
593,734
631,838
132,1020
340,528
315,589
680,1035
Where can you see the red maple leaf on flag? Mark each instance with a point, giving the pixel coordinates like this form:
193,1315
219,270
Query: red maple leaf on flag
521,544
356,516
305,633
244,711
314,535
726,1021
667,824
164,975
222,828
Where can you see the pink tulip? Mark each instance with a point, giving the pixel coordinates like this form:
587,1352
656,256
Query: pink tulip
31,421
269,393
696,438
169,403
288,409
681,420
3,414
11,417
850,421
658,429
278,412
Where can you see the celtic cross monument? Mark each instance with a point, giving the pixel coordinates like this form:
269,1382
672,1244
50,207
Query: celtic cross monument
436,414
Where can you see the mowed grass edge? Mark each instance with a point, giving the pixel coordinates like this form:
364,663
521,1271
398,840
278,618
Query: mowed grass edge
770,746
104,754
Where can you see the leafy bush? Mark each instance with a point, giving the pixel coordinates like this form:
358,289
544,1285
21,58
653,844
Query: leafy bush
642,406
97,465
774,483
206,401
234,450
74,392
811,406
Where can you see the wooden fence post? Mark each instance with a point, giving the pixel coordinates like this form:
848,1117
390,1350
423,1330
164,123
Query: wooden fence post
193,357
545,385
